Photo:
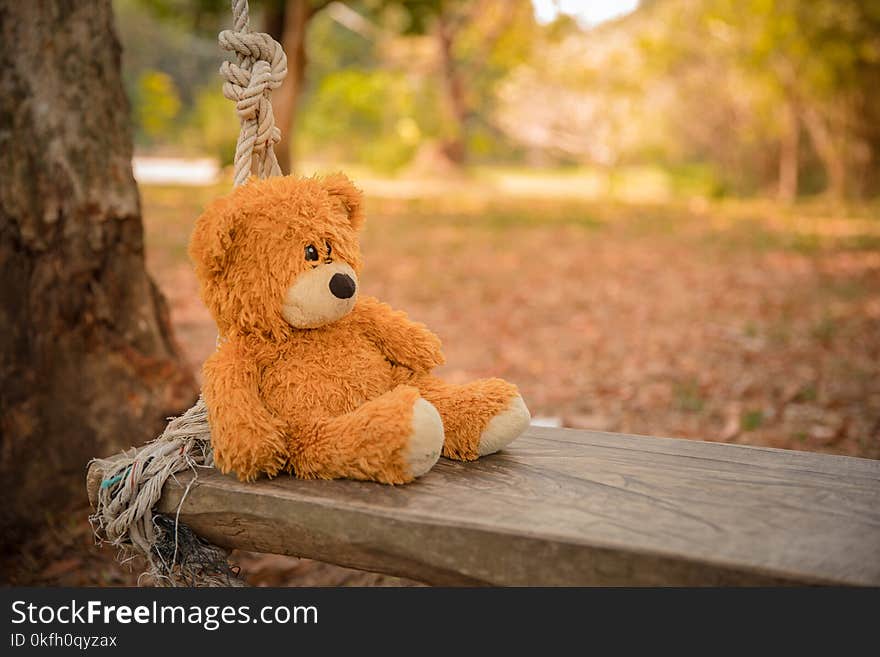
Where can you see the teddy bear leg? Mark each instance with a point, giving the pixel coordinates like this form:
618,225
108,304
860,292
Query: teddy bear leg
479,417
391,439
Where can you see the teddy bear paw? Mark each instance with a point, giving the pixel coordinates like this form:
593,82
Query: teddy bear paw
504,427
426,439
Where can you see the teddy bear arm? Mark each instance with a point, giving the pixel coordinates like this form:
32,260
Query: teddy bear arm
246,437
400,339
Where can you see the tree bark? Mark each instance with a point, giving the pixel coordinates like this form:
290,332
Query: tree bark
88,362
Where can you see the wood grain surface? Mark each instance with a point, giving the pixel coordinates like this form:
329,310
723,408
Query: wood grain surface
566,507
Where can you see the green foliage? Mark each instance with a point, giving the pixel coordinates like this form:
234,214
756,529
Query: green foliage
157,104
364,116
163,65
331,47
697,179
212,126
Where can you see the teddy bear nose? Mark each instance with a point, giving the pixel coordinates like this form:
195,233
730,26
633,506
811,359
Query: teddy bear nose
342,286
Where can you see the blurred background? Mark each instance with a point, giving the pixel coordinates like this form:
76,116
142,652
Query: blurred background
656,217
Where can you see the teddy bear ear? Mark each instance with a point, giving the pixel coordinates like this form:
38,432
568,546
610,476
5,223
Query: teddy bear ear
339,185
212,238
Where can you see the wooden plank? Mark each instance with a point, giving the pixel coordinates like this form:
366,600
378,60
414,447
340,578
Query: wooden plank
565,507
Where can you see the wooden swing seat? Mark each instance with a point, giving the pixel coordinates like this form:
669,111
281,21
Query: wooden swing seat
567,507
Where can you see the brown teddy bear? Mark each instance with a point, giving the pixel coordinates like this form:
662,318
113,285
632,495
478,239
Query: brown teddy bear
310,376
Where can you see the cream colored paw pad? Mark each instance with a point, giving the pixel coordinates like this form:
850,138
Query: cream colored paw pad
426,440
505,427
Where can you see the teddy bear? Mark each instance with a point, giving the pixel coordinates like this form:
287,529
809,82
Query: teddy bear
310,376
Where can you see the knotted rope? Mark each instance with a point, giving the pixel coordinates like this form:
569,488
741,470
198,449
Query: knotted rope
132,484
261,68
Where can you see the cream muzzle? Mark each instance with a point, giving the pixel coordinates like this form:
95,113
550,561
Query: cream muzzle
320,296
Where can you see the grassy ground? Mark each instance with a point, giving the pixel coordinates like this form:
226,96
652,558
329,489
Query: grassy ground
742,322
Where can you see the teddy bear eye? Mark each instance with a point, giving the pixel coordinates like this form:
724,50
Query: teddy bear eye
329,249
311,252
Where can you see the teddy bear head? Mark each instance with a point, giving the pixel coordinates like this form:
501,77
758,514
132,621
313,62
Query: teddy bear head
280,253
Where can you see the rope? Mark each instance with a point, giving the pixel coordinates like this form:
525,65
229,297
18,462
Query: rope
132,484
261,68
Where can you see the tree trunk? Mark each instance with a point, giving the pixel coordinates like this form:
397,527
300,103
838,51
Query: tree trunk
789,155
88,363
827,150
287,24
454,146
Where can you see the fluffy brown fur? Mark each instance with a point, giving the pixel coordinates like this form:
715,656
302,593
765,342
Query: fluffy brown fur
331,401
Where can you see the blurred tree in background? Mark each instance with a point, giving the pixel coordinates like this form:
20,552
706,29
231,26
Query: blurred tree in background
476,44
805,70
730,86
413,79
755,97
